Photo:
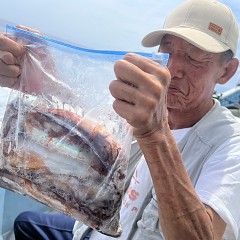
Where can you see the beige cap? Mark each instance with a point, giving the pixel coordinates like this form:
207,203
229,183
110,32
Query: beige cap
207,24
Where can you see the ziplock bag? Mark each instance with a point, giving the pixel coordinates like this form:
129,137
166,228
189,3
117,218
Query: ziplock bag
62,143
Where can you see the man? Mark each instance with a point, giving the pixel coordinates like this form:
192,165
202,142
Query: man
190,144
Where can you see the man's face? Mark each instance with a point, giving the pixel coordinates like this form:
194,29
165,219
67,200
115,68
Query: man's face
194,73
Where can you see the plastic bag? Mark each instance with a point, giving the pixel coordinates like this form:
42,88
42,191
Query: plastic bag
62,143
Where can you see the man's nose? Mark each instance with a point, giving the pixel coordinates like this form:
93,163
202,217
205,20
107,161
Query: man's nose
176,65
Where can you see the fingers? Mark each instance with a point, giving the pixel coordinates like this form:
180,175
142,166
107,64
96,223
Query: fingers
29,29
124,110
7,57
122,91
10,51
8,82
142,78
135,77
148,66
132,104
140,92
141,72
9,70
136,115
9,45
128,73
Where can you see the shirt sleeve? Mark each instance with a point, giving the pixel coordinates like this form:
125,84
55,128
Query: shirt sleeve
219,185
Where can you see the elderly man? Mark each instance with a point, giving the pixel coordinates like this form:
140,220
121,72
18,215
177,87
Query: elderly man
188,178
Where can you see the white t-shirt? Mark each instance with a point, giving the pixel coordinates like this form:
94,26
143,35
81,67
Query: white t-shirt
215,177
212,186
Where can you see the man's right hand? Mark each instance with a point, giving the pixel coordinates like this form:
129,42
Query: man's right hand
10,55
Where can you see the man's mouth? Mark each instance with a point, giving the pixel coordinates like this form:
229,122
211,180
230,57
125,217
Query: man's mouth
175,89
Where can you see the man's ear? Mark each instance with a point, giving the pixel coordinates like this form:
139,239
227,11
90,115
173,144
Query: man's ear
229,70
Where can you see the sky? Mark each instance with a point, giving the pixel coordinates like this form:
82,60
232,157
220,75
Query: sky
98,24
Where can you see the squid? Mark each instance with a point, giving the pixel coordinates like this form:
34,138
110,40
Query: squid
68,162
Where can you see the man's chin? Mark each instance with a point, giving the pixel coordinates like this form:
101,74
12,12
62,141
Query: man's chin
174,103
176,100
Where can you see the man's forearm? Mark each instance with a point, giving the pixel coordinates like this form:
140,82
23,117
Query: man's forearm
182,214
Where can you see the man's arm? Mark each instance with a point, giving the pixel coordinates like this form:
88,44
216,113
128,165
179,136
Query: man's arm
140,97
218,224
182,214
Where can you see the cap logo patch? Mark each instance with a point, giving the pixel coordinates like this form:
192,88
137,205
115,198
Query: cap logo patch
215,28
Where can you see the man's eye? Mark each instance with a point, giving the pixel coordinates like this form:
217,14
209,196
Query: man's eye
190,58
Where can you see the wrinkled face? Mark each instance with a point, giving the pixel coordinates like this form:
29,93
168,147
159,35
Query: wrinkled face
194,73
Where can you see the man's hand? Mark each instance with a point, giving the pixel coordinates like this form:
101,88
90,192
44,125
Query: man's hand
140,92
10,53
27,65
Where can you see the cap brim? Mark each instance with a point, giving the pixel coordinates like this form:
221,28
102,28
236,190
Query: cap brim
191,35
